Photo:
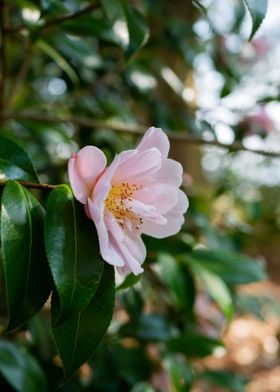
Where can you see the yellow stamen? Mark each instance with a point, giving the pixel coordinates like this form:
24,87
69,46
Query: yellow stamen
117,203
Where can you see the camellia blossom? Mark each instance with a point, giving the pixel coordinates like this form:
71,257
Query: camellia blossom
137,193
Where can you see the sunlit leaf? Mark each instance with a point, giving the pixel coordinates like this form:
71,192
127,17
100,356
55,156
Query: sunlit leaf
257,9
15,164
232,267
59,60
216,288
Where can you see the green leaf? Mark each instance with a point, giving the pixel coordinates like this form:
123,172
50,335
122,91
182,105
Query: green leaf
231,267
138,30
180,374
20,369
179,281
59,60
194,345
198,4
79,335
133,302
233,382
15,164
257,9
27,276
127,21
216,288
143,387
72,250
129,281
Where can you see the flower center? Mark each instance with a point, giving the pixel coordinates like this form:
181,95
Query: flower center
118,203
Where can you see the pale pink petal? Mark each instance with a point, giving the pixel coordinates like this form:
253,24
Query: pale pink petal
155,137
108,249
113,226
83,169
161,196
137,165
170,173
174,218
134,253
146,212
101,190
77,184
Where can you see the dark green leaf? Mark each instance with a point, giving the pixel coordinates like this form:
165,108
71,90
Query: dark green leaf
59,60
179,281
138,30
149,327
257,9
193,345
89,25
20,369
143,387
78,336
15,164
27,276
127,21
225,379
72,250
233,268
133,302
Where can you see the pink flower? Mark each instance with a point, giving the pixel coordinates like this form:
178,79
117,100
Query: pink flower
137,193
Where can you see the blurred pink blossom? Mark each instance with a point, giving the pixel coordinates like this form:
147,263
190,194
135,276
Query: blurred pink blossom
259,122
137,193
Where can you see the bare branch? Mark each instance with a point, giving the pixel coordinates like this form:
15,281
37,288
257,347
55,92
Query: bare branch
181,137
28,184
69,16
55,21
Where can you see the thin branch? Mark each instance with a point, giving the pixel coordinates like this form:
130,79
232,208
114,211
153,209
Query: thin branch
4,20
181,137
55,21
70,15
32,185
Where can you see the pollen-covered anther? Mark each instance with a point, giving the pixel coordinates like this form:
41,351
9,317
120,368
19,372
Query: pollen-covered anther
117,203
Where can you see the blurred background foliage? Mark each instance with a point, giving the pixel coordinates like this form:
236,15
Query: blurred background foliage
78,72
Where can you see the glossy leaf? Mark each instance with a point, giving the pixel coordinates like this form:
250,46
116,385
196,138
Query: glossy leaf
233,268
79,335
179,281
73,251
127,21
15,163
194,345
216,288
27,276
257,9
20,369
59,60
137,30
